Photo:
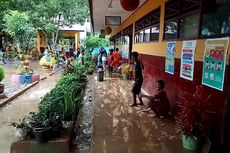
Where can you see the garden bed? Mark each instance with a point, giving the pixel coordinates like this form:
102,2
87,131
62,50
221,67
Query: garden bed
57,145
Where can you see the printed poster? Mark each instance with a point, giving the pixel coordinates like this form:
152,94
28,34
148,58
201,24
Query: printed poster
169,59
66,48
214,62
187,59
59,48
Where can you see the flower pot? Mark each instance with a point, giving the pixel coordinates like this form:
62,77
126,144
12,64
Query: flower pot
20,134
1,88
42,134
126,76
190,142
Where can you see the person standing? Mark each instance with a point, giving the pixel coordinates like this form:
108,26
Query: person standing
2,54
138,80
116,59
110,62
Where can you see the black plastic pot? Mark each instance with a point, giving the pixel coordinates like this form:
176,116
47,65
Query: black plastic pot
42,134
1,88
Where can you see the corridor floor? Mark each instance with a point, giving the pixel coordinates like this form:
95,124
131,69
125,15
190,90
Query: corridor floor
118,128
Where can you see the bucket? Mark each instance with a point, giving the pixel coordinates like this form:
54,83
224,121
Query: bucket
100,75
190,142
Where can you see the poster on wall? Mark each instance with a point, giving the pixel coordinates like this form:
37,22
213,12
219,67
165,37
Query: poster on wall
187,59
214,62
66,48
59,48
169,58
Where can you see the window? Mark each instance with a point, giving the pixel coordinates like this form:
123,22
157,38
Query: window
147,35
136,38
189,26
147,28
216,21
183,14
171,29
141,35
154,33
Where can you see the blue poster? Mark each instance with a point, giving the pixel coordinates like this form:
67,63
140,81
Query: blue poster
169,58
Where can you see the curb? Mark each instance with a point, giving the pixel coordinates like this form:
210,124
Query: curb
18,94
52,73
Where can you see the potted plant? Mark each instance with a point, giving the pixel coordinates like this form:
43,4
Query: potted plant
21,129
126,70
194,117
1,78
40,126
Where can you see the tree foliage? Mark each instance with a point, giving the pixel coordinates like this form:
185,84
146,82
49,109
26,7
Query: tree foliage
48,16
18,25
51,15
94,41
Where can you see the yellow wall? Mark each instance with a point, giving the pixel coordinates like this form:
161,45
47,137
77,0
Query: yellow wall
147,7
159,48
42,43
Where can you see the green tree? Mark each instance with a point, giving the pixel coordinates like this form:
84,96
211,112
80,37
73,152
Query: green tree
51,15
18,25
94,41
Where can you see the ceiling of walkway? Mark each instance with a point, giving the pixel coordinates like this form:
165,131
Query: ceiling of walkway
101,8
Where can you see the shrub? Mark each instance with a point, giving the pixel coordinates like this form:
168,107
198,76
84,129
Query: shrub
195,114
1,73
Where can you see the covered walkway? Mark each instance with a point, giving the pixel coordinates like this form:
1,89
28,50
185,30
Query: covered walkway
118,128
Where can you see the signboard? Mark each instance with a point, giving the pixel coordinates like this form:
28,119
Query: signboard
169,58
214,62
113,20
59,48
66,48
187,60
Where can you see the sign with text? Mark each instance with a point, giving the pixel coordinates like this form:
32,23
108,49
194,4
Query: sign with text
214,62
66,48
169,58
187,60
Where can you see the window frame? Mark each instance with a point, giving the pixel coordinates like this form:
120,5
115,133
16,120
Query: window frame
148,21
178,18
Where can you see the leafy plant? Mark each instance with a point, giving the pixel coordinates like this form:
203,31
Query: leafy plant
21,124
71,106
2,74
93,41
19,26
195,113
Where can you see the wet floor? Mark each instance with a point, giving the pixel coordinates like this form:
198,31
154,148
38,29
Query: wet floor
21,106
106,123
118,128
11,68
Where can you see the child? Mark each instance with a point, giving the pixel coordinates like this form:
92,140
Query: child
138,80
158,103
110,62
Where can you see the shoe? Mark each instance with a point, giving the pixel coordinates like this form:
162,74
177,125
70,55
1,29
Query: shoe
133,105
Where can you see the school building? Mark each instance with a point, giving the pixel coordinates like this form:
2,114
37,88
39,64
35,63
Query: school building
183,42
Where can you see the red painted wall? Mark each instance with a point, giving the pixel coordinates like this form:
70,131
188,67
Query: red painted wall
154,69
